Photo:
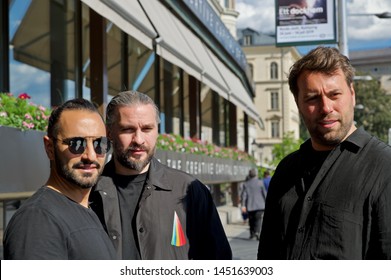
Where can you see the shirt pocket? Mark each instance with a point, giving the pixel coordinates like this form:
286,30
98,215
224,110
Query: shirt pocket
337,234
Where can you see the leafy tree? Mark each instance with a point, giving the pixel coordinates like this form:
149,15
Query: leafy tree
373,108
288,145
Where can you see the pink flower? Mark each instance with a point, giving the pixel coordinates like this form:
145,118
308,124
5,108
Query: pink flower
28,125
28,116
3,114
44,116
24,96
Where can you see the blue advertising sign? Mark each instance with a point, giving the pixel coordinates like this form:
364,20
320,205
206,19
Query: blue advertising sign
212,21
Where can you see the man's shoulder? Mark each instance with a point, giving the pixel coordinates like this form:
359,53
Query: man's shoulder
44,204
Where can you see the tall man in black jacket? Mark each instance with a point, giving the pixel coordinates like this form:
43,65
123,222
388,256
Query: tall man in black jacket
331,198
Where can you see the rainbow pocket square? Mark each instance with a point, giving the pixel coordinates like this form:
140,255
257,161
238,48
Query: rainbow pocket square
178,237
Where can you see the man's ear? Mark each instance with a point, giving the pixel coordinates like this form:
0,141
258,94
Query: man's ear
108,133
49,147
353,94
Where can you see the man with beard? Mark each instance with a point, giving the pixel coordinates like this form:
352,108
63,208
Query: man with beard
151,211
56,222
331,198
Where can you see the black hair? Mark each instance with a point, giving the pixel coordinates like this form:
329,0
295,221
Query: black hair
73,104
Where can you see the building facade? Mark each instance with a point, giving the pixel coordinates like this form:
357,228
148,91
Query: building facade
376,63
269,69
180,53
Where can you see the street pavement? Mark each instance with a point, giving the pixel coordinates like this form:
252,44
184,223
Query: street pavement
238,233
242,247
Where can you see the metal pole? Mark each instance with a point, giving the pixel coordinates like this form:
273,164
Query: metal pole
343,38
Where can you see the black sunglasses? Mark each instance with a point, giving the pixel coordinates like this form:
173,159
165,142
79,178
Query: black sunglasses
77,145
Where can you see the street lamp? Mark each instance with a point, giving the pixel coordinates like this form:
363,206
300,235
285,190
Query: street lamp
259,148
343,40
363,78
379,15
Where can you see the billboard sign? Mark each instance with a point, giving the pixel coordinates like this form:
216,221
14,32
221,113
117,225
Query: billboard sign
305,22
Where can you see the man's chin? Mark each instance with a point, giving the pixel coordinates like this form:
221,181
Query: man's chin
137,165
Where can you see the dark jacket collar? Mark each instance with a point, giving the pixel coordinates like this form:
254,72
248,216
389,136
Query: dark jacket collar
355,141
156,174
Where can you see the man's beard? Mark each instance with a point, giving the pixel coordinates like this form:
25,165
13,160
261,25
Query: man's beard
84,181
333,137
123,157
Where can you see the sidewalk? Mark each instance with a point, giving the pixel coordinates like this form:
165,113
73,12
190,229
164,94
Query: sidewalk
238,233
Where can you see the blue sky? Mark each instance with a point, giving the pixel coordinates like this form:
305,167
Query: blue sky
364,32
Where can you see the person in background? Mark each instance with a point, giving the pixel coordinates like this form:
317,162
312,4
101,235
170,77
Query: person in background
149,210
253,202
56,223
243,214
331,198
266,179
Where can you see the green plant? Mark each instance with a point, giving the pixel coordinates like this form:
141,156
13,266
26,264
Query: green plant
176,143
20,113
288,145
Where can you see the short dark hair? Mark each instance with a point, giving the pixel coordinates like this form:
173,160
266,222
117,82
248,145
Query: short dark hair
128,98
322,59
252,173
73,104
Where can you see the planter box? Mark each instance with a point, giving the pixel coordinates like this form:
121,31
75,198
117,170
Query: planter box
24,166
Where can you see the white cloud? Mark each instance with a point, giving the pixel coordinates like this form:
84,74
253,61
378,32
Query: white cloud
368,27
33,81
259,15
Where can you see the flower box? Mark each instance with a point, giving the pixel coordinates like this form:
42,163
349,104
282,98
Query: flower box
24,166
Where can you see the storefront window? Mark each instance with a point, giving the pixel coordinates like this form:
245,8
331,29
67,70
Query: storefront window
29,50
43,50
171,98
186,104
130,65
223,125
207,115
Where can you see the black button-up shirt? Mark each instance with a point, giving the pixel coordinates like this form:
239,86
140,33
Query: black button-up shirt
345,213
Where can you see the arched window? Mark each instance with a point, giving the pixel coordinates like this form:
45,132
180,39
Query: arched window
273,71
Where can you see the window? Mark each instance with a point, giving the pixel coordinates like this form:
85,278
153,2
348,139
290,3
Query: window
273,71
247,40
227,4
251,69
275,126
274,102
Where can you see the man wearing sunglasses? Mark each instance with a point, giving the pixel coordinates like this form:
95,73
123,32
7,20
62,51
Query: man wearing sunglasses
56,222
152,211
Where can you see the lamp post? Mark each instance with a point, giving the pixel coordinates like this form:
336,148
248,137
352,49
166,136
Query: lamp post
342,34
259,148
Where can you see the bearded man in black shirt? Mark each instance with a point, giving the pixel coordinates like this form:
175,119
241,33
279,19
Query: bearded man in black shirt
331,198
152,211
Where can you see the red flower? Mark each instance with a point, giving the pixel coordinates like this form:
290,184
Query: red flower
24,96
